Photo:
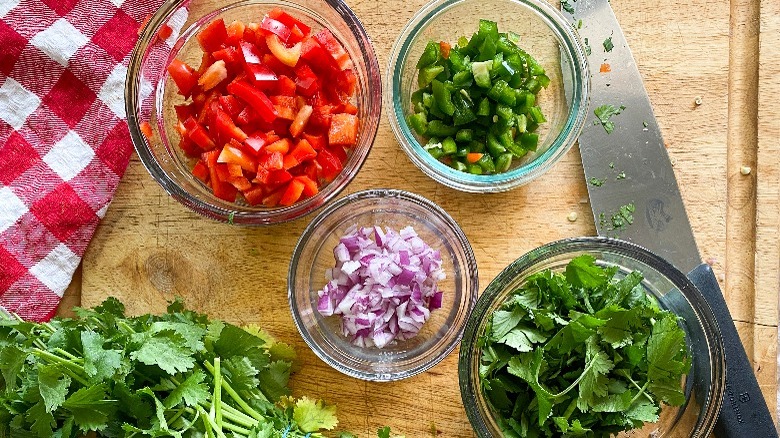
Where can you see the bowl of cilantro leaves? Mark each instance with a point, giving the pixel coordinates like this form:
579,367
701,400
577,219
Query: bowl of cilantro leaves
591,337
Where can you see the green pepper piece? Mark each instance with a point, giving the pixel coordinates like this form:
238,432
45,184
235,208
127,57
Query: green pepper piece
536,114
418,122
487,164
503,162
503,93
430,55
474,169
428,74
481,71
487,50
484,107
476,146
472,48
440,129
462,151
516,150
504,136
463,110
521,122
494,148
544,80
532,126
505,46
427,99
463,78
417,96
517,80
503,69
532,85
443,97
529,141
457,61
448,146
505,113
436,152
464,135
488,29
459,165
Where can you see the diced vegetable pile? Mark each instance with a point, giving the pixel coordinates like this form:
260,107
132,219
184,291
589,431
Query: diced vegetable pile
269,112
383,287
476,104
174,375
581,353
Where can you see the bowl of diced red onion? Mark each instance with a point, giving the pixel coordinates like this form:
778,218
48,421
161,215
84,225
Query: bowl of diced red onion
381,284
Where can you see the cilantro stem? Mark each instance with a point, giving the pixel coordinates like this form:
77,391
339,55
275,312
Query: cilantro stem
68,355
573,384
214,427
73,370
237,398
218,391
641,392
206,423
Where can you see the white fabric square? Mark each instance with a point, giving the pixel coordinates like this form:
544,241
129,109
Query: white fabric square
11,208
17,103
102,212
56,269
7,5
60,41
69,156
176,22
117,3
112,93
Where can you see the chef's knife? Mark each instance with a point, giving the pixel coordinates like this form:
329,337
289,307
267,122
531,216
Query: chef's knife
634,196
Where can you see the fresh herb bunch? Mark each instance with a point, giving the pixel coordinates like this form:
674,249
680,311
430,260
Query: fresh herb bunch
581,353
174,375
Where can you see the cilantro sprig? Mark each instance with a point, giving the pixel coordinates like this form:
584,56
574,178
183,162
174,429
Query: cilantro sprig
174,375
581,353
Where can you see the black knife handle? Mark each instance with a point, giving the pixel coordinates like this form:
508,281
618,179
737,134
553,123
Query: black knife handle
744,413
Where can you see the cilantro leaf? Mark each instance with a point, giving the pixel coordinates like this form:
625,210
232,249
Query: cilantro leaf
605,113
644,411
666,350
313,415
11,364
594,380
42,420
89,408
383,432
582,271
566,6
608,46
504,321
274,378
192,391
165,351
99,364
523,338
53,386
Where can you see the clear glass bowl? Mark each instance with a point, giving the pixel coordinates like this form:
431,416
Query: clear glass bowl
150,95
544,33
704,385
314,254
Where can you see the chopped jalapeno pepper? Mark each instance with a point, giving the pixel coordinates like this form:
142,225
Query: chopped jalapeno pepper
480,97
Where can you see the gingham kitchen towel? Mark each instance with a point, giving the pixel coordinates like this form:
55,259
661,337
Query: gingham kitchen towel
64,142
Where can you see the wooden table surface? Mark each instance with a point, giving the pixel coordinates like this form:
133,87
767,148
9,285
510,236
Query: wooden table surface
149,249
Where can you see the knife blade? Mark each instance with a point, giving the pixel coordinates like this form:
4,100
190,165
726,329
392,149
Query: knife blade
634,196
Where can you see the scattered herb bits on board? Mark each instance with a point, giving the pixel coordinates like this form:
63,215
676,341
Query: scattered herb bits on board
476,106
581,353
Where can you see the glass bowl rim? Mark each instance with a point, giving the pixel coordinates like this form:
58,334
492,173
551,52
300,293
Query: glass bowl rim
623,248
236,214
470,289
499,182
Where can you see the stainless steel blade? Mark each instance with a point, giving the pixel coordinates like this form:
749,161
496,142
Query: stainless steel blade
630,166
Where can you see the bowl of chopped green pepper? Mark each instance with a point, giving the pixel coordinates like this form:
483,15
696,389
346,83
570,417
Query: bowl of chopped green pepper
591,337
485,96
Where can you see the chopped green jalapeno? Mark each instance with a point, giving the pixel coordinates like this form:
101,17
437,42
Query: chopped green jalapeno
480,99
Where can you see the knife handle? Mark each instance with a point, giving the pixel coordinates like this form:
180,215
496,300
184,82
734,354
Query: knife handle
744,413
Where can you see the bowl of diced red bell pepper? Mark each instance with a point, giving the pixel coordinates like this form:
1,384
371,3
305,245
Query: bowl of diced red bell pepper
257,112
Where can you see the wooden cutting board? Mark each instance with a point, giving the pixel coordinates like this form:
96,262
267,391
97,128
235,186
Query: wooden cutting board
149,249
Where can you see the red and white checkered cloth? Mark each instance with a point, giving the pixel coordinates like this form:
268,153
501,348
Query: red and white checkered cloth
65,142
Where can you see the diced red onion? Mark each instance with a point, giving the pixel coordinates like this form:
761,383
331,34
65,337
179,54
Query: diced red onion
384,285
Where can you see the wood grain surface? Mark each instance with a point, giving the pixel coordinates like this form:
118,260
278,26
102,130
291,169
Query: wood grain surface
149,249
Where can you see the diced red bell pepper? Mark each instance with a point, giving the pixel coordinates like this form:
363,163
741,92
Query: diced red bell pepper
310,187
205,62
275,27
226,129
247,116
285,86
233,155
321,116
213,35
288,56
216,73
201,171
288,20
184,76
230,56
223,190
189,147
255,98
210,158
254,195
296,35
282,145
235,32
231,105
306,81
271,161
292,193
343,129
290,162
198,134
240,182
330,165
233,170
303,151
146,130
255,142
285,106
334,48
275,178
259,74
350,109
277,66
184,111
339,152
299,123
318,142
165,32
316,55
347,82
273,198
445,48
